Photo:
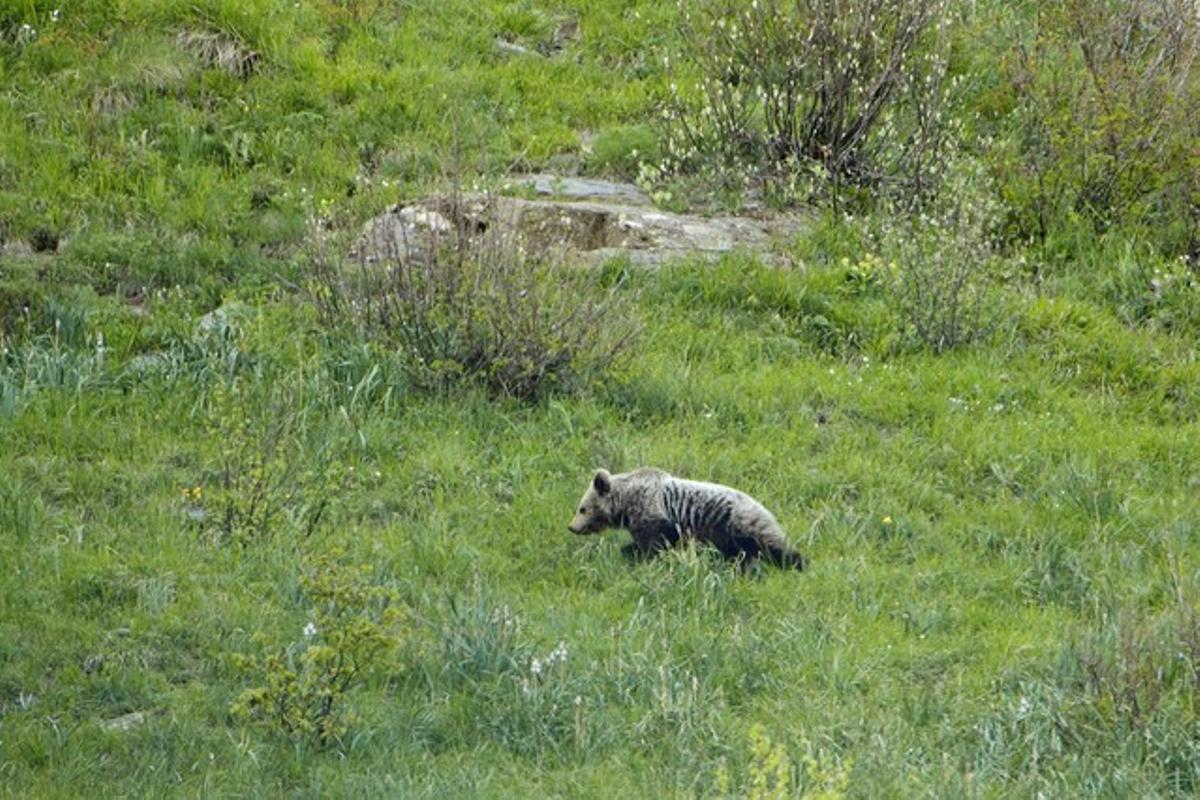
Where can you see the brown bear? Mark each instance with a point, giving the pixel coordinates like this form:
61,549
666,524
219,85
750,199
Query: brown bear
661,510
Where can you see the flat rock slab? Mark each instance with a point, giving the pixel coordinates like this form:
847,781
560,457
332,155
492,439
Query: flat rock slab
585,231
566,188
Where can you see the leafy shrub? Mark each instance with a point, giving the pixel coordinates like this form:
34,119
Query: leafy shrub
354,625
471,307
259,480
817,92
942,263
1106,115
773,774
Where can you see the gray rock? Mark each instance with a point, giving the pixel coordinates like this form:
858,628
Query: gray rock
224,318
584,232
16,248
148,362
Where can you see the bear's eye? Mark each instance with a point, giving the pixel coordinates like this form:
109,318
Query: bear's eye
582,510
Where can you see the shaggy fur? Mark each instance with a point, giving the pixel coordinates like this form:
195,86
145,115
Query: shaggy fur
661,510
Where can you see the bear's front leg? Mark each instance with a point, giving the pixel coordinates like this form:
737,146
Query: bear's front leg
634,552
651,538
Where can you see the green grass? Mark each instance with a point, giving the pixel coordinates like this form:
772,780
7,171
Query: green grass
1004,578
1042,497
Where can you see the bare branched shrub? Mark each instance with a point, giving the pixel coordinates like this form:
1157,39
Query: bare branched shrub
1135,664
221,51
822,90
469,305
942,263
1107,103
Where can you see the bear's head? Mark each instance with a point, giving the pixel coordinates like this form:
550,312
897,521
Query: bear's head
596,510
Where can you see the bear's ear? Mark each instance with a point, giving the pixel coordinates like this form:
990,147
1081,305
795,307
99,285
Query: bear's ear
602,482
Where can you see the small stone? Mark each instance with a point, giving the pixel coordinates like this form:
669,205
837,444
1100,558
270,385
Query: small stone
224,317
512,48
566,32
124,722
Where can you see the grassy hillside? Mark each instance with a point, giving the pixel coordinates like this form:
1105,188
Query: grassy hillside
1002,599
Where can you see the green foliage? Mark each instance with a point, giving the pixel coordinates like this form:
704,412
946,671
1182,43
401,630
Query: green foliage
967,513
258,482
622,150
479,641
19,290
214,129
477,310
354,626
1148,290
831,309
1105,109
942,265
772,773
1136,668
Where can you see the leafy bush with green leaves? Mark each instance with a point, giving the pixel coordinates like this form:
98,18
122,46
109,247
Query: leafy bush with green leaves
1106,107
773,774
354,625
